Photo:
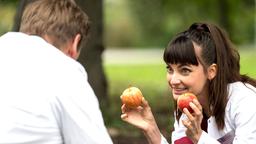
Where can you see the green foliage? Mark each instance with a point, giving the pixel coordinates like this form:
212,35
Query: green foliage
7,12
149,24
120,28
153,23
9,2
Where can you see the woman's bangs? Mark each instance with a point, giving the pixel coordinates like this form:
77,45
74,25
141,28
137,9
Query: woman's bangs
180,50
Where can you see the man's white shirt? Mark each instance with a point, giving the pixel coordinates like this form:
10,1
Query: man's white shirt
44,96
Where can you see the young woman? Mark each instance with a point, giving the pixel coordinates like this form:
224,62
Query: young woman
203,61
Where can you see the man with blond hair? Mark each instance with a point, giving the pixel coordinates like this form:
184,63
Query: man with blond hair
43,96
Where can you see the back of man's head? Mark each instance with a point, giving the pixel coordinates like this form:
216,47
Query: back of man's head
60,20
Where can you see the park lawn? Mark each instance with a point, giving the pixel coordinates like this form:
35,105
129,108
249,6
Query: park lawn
248,62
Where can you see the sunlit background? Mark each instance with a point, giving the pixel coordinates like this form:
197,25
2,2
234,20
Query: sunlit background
135,34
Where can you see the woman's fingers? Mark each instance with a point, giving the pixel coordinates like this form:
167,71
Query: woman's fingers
193,121
123,108
124,116
189,115
197,104
144,102
196,109
187,123
145,105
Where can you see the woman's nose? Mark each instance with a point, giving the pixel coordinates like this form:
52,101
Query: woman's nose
175,80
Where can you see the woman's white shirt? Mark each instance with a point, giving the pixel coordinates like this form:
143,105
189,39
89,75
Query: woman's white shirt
240,119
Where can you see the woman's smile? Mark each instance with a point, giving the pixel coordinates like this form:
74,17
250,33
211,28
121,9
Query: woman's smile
179,91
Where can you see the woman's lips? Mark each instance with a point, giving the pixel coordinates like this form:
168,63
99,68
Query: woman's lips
178,91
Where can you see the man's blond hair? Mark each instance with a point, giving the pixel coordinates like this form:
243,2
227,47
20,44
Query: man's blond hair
61,20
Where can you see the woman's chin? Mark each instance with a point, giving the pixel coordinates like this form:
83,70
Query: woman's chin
175,96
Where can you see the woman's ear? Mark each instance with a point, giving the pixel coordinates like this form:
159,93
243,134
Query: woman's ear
212,71
73,51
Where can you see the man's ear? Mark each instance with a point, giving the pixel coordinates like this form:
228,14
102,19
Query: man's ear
212,71
73,51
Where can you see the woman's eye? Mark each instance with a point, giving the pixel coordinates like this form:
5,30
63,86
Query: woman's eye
169,69
185,71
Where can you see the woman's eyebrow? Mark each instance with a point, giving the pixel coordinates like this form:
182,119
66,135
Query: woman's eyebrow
181,65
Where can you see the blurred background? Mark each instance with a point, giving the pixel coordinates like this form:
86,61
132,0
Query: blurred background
128,39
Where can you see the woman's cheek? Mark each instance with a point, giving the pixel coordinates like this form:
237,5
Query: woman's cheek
168,77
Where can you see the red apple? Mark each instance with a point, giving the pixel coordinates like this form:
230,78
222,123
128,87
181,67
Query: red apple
132,97
184,100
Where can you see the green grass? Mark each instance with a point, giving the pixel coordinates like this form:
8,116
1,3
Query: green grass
248,62
151,79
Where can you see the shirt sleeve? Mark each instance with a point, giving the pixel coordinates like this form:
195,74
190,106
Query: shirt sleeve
80,118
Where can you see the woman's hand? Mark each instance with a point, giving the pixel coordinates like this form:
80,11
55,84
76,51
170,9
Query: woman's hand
193,123
142,118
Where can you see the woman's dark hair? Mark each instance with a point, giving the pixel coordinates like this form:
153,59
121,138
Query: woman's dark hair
216,49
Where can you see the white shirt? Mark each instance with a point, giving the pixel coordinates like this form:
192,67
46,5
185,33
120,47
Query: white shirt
240,119
44,96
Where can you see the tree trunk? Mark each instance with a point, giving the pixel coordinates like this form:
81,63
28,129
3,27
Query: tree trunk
90,56
19,11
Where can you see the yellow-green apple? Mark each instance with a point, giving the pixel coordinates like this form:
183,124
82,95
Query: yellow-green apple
132,97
